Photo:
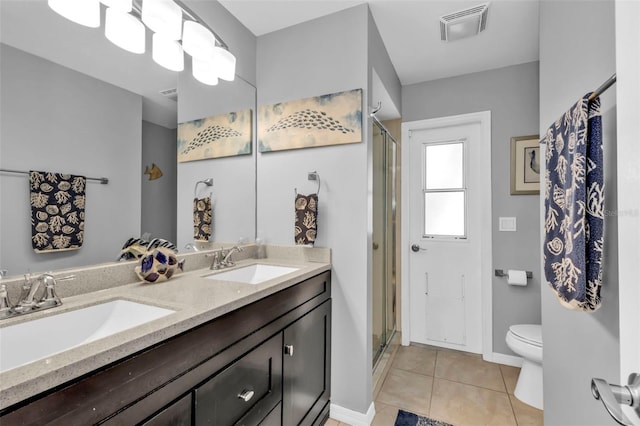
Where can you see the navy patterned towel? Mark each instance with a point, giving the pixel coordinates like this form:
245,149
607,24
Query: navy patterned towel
306,224
574,206
57,211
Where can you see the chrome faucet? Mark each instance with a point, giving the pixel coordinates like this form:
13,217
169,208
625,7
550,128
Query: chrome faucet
227,260
27,303
215,262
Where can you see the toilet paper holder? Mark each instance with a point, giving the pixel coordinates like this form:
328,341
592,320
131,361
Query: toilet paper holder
502,273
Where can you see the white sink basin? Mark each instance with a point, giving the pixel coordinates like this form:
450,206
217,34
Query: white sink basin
37,339
253,274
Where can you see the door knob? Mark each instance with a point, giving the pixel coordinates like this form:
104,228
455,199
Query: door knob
613,395
416,248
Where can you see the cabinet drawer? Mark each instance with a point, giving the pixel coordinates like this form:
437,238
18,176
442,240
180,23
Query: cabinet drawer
246,391
176,414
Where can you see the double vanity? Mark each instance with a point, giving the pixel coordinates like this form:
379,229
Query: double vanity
248,344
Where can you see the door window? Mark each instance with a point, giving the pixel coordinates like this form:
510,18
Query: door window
445,191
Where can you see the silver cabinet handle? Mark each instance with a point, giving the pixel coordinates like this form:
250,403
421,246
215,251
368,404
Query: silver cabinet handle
246,395
288,350
614,395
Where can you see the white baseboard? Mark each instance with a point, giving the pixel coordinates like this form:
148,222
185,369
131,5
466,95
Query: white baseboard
512,360
353,418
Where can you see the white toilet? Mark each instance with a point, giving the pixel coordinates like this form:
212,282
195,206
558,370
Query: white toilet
526,341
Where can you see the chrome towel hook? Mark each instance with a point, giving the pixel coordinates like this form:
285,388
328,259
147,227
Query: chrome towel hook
208,182
314,176
311,176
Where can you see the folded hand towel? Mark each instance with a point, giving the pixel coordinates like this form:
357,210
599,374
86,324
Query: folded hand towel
306,214
202,218
57,211
574,206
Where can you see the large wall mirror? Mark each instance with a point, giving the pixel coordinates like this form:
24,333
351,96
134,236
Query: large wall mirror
72,102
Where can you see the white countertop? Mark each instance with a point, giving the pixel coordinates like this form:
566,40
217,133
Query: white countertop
195,299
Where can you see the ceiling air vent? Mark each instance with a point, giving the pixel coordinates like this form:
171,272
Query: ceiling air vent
170,93
464,23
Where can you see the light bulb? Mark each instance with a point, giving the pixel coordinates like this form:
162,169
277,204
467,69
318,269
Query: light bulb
167,52
83,12
120,5
163,17
197,40
125,31
204,71
225,63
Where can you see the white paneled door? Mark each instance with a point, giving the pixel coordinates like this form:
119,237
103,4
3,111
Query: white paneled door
445,256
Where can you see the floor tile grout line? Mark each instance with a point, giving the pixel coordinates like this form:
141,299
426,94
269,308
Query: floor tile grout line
513,410
433,384
475,386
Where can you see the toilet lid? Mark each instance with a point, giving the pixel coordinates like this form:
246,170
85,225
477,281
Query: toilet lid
530,333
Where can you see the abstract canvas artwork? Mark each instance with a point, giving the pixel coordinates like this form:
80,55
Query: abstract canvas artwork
222,135
319,121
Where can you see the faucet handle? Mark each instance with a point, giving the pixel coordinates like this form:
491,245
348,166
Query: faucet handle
5,304
49,297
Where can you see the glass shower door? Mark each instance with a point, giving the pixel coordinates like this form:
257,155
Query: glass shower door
384,239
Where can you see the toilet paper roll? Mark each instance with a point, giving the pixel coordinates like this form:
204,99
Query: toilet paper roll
517,277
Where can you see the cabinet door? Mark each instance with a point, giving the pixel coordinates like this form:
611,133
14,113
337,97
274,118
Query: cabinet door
177,414
307,357
246,391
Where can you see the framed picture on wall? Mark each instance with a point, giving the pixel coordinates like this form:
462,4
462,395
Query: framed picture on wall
525,165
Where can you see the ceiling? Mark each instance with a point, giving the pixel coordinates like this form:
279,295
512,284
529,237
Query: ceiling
411,31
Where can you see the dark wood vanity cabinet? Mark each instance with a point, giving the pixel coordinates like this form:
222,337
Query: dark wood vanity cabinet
307,358
267,363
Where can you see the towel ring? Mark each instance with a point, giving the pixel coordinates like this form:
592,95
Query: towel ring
311,176
208,182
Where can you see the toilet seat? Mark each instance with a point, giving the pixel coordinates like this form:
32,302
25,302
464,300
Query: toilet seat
528,333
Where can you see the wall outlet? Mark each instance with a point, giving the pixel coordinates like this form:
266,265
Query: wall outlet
507,224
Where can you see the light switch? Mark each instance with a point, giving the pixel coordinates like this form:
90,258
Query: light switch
507,224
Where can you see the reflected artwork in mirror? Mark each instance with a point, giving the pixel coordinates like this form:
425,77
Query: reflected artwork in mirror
72,102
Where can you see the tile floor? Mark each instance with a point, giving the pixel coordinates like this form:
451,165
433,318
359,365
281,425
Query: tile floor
456,387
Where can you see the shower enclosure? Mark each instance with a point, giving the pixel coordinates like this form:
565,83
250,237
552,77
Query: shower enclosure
384,238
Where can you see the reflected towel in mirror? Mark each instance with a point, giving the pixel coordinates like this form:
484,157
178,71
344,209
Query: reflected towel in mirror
202,219
306,224
57,211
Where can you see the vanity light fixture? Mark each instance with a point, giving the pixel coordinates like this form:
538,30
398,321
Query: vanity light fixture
464,23
125,22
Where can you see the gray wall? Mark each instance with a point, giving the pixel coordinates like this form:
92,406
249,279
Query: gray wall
511,93
159,195
56,119
323,56
577,345
233,177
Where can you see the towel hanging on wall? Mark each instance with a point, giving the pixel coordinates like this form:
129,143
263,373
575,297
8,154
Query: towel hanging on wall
306,224
57,211
202,218
574,206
